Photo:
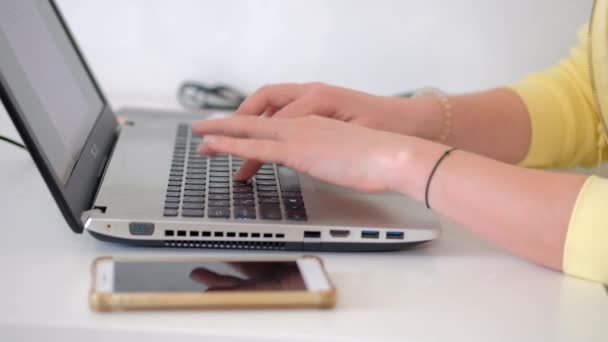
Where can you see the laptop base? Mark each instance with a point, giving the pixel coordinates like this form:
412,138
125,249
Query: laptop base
262,245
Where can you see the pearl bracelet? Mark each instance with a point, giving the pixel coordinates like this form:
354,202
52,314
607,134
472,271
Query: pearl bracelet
446,106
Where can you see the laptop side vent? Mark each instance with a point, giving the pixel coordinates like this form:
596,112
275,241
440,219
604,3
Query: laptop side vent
260,245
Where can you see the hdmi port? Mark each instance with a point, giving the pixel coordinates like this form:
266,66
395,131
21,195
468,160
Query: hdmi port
339,233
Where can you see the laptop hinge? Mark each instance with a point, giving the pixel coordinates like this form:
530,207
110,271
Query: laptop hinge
104,168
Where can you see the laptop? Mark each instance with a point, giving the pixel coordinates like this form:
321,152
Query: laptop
143,184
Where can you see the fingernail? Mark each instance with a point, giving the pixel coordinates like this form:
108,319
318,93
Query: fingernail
238,175
206,140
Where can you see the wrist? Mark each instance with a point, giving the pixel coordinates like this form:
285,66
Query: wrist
423,116
412,168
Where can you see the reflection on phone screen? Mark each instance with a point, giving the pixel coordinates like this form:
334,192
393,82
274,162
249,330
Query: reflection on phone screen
207,276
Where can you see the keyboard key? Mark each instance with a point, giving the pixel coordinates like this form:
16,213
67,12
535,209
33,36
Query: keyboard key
266,172
199,206
175,183
288,179
219,191
274,200
173,194
193,199
241,184
223,158
247,213
267,194
220,169
219,197
296,215
176,174
242,196
265,177
270,211
174,188
242,190
193,213
196,172
244,202
291,200
267,188
293,203
170,213
219,185
266,182
219,174
293,194
219,203
169,205
219,212
172,200
175,179
195,187
196,182
194,193
219,179
194,176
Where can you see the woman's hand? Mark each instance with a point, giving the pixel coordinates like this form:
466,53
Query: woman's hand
397,115
337,152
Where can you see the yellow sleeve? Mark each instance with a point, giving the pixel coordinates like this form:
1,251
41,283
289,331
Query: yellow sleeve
586,249
563,112
565,121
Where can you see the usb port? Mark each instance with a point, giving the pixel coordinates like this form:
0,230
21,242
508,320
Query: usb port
312,235
370,234
395,235
339,233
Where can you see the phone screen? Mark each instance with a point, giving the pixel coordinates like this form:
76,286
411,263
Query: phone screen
138,277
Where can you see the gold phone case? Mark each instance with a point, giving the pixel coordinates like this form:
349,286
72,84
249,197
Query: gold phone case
105,302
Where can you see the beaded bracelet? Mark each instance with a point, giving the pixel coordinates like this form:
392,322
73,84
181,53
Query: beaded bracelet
446,106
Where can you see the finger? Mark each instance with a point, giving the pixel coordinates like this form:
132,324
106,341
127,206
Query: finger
265,150
298,108
239,126
272,96
249,168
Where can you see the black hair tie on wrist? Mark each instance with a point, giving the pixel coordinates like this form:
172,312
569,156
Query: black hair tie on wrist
428,183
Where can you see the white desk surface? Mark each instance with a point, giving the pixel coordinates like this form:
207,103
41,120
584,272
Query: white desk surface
457,288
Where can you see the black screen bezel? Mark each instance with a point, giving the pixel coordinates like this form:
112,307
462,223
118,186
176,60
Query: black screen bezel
76,195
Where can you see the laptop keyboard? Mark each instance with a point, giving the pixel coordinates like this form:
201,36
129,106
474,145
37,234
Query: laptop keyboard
201,186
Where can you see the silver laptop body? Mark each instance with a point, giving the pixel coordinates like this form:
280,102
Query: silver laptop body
143,184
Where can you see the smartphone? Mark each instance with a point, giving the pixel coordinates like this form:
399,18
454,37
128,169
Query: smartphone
190,284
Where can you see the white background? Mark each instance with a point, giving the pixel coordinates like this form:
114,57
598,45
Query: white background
143,48
146,47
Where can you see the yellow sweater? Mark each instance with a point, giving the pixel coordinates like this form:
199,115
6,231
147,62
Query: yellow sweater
566,132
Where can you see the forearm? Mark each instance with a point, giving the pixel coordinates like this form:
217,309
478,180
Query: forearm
493,123
525,211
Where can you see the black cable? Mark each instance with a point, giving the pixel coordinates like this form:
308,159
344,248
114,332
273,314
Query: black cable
195,95
11,141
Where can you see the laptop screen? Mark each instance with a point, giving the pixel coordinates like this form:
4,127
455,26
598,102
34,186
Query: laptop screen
48,81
